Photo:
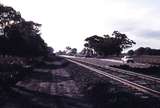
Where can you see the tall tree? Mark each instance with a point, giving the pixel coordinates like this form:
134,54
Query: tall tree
20,37
9,16
109,45
25,39
122,40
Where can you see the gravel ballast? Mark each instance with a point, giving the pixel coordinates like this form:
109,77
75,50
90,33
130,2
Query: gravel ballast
103,92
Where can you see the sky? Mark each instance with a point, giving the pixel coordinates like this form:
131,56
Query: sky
69,22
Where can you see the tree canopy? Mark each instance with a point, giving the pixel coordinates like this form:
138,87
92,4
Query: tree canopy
20,37
71,51
9,16
109,45
147,51
130,52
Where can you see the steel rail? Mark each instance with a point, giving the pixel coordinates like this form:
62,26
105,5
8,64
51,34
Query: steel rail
141,88
155,79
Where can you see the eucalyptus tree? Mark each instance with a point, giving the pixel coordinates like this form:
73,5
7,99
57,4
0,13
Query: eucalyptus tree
109,45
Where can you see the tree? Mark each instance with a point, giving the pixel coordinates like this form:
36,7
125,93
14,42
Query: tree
140,51
50,50
61,52
147,51
108,45
87,52
24,39
83,52
95,42
73,51
20,37
9,16
68,48
122,40
130,52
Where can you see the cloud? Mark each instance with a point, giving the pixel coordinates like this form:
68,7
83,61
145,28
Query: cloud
149,33
70,22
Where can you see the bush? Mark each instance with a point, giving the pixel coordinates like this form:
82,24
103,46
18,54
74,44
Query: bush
10,74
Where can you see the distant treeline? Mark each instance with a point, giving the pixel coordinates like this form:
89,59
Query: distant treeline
144,51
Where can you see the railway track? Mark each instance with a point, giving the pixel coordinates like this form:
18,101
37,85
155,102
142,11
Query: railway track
143,83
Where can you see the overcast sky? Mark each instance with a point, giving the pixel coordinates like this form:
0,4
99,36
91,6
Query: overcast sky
69,22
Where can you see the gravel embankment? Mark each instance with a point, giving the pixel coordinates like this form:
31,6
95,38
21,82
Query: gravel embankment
103,93
152,70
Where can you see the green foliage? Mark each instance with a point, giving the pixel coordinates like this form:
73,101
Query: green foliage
73,51
68,48
9,16
147,51
61,52
87,52
130,52
25,39
10,74
108,45
122,40
20,37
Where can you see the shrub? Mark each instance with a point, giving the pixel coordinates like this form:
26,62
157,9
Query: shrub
10,74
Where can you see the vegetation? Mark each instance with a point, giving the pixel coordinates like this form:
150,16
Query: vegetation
13,69
9,16
147,51
20,37
61,52
20,45
88,52
130,52
69,51
109,45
